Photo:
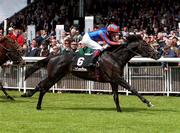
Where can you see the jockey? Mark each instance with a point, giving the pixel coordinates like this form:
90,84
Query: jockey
106,35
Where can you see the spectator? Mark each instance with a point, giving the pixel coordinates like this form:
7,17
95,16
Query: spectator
125,32
44,34
160,39
33,51
72,34
66,46
39,38
78,36
55,50
44,49
74,45
10,31
52,44
171,50
1,32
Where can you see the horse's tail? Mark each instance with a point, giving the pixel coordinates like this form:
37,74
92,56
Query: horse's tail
36,66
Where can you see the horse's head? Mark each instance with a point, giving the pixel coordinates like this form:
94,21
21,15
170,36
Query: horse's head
137,45
12,50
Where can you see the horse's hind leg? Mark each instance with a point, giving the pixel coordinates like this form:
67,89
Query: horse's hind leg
31,93
4,91
124,84
115,96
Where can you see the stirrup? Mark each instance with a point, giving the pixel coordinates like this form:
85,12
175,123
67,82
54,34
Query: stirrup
92,65
96,64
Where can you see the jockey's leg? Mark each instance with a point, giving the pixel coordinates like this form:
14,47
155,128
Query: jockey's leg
87,41
95,56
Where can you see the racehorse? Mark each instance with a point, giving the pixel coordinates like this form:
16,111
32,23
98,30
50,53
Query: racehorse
110,69
9,50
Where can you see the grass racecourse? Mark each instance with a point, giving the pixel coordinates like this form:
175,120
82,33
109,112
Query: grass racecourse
84,113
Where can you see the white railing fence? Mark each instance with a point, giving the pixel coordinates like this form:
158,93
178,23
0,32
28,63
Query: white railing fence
146,79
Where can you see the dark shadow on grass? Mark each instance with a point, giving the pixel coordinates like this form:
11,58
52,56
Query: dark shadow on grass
17,99
124,109
80,108
145,109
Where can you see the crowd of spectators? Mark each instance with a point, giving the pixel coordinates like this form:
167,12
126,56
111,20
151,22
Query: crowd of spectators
155,20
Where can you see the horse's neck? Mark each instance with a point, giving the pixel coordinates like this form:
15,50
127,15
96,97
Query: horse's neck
123,56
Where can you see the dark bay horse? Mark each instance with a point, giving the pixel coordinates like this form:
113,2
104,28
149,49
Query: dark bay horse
9,50
110,69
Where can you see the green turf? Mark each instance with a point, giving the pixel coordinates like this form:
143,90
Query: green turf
83,113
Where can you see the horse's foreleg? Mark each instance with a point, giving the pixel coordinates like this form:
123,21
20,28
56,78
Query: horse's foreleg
125,84
115,96
4,91
41,95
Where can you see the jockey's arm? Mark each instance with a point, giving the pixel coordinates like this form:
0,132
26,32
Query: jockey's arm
108,41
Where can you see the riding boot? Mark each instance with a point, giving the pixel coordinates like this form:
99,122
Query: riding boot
94,58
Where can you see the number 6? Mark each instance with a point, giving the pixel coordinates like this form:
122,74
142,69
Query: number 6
80,61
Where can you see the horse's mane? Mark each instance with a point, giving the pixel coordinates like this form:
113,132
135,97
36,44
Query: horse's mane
129,39
132,38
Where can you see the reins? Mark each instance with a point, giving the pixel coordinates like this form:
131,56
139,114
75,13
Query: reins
125,45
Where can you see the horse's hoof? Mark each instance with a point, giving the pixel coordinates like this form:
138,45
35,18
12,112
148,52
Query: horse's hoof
24,95
38,108
150,105
119,110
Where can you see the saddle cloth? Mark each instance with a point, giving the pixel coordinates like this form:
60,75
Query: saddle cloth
81,62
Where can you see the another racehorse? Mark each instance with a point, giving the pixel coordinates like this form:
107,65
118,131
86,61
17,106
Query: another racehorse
9,50
110,69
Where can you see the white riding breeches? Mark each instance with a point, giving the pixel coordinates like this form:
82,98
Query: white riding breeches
87,41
